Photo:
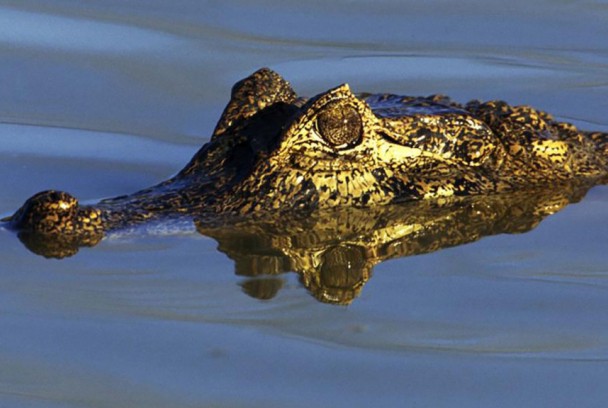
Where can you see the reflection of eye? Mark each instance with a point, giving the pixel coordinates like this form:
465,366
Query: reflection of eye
343,267
340,125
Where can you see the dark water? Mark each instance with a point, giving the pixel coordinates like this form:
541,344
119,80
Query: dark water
104,98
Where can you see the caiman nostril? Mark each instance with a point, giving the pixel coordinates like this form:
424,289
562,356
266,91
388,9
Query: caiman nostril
54,213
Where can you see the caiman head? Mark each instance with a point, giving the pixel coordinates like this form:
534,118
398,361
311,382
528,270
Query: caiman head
273,151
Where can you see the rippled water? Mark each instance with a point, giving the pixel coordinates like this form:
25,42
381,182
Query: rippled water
104,98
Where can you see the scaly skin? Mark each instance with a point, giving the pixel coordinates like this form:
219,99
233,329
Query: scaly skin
274,152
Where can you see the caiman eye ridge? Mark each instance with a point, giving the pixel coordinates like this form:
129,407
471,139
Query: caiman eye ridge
340,125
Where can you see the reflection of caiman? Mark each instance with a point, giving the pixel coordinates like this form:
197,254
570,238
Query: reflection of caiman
334,251
275,153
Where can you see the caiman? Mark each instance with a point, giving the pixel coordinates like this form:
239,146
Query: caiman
275,152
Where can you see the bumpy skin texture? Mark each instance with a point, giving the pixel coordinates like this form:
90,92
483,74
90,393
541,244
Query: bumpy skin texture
275,152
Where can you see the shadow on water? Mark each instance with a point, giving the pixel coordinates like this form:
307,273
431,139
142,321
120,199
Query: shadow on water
334,252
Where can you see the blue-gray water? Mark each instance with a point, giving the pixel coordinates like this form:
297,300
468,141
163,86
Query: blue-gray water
104,98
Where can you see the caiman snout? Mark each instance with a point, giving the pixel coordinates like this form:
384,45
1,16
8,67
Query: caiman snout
56,213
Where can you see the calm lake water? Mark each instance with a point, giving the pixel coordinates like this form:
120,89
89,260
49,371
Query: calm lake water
103,98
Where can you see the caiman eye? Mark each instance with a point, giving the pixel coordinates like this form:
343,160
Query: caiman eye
340,125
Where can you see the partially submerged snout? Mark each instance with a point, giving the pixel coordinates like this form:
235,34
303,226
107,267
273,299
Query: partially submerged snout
56,213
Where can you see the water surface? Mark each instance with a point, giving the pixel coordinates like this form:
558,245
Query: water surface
104,98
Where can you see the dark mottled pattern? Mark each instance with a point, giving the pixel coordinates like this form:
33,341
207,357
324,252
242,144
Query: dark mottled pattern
274,152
